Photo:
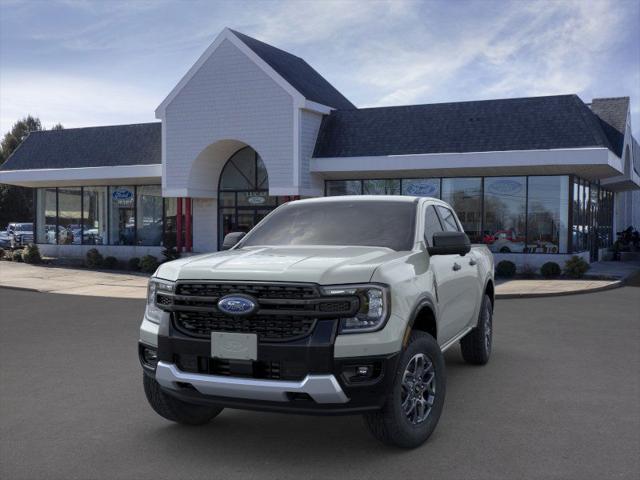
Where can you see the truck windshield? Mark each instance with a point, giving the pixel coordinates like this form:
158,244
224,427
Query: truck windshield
365,223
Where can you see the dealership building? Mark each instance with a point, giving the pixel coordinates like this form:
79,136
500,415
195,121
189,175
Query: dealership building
250,127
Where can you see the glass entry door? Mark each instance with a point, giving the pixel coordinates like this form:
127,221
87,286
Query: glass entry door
243,198
240,219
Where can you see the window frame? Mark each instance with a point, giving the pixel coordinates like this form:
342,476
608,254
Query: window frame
431,206
572,215
108,188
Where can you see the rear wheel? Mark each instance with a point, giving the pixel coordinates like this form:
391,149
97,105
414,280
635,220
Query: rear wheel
414,405
476,345
176,410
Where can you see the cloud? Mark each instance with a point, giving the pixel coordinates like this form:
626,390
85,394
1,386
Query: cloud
71,100
385,52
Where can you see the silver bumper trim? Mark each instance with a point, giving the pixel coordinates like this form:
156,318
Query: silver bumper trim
321,388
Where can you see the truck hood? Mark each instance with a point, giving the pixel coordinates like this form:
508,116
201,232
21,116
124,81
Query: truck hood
317,264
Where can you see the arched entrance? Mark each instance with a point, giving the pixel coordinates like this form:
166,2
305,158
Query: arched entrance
243,193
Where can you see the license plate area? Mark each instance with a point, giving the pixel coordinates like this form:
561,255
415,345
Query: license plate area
234,346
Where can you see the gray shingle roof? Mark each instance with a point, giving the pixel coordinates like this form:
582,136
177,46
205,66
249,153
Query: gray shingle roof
138,144
562,121
612,113
298,73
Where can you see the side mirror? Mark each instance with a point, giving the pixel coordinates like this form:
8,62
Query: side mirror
231,239
450,243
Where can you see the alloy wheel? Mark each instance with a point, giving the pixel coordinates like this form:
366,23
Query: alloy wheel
418,388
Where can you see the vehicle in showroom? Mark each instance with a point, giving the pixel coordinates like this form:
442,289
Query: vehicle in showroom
19,235
339,305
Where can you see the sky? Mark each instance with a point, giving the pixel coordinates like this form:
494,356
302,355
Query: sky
86,63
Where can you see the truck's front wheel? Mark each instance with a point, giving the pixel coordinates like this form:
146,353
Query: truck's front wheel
176,410
413,406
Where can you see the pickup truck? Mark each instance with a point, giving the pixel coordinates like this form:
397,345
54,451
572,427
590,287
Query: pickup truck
19,235
337,305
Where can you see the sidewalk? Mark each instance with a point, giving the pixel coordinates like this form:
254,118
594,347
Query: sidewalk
72,281
78,281
601,276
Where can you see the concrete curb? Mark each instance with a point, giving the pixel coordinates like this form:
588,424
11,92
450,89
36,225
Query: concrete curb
26,289
506,296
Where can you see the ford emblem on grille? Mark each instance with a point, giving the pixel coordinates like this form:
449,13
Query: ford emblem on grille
237,305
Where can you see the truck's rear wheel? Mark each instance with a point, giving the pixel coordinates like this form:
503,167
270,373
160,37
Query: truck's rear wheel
476,345
176,410
414,404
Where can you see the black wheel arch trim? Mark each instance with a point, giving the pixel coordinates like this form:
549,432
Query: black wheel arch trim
422,302
491,281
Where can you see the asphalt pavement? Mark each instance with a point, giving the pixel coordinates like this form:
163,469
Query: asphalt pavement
559,399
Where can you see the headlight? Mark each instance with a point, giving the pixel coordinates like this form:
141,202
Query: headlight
373,311
153,312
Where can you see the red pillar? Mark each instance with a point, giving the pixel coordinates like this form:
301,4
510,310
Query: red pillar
179,225
187,224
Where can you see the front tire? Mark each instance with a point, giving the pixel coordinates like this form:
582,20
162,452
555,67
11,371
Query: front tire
476,345
176,410
414,404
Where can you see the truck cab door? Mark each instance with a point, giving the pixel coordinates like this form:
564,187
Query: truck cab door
455,277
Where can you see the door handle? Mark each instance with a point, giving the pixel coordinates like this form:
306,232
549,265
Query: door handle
472,262
456,266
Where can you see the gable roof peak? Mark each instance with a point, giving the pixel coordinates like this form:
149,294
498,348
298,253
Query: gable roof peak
297,72
292,73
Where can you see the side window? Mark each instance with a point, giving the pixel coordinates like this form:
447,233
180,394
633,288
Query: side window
431,224
448,220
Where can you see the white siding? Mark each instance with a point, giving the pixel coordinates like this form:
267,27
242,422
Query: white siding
205,225
309,127
229,97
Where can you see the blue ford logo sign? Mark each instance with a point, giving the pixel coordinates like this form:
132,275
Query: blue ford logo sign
122,194
421,189
237,305
505,187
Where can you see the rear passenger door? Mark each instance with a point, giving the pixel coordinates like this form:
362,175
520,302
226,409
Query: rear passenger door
455,277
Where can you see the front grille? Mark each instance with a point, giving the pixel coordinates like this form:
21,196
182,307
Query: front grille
285,311
269,328
259,291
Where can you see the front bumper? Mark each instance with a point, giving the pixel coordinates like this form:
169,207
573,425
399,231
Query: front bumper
320,388
300,376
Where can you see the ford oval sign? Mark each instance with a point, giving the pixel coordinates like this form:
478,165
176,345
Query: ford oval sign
237,305
505,187
122,194
421,189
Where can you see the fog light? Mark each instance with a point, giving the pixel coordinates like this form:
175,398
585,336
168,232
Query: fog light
363,371
150,356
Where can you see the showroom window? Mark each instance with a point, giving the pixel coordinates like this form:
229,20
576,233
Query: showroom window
547,214
381,187
104,215
505,214
94,207
149,215
465,196
421,187
46,215
516,214
70,216
343,187
122,218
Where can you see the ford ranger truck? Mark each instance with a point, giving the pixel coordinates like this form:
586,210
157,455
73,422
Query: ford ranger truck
339,305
